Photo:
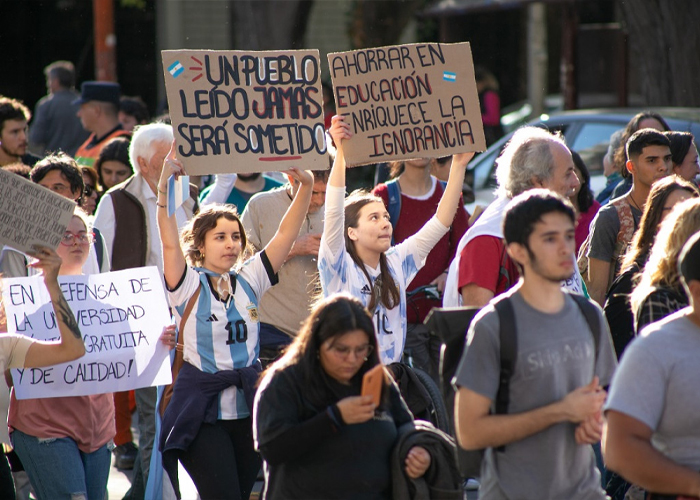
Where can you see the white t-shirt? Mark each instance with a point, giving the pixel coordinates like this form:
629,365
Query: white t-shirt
223,335
339,273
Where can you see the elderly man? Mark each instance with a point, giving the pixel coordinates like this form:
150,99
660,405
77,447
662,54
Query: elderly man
533,158
126,218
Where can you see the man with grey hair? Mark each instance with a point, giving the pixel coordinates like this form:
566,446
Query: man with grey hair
56,126
481,269
126,218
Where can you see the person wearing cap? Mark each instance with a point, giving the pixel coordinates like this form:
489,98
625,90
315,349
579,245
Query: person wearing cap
652,435
99,114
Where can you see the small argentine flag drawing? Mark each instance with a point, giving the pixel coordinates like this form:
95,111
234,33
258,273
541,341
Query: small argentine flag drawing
176,69
449,76
178,192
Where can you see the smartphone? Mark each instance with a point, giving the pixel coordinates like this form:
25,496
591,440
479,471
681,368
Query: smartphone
372,383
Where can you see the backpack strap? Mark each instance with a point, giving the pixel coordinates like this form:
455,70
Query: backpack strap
503,269
508,336
394,206
194,194
98,244
591,314
179,359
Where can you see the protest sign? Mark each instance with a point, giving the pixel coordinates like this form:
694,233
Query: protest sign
31,214
242,111
121,316
407,101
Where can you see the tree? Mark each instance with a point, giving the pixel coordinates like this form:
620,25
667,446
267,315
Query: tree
664,40
270,24
377,23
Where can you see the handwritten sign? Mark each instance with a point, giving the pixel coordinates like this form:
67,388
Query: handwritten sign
407,101
238,111
120,315
30,214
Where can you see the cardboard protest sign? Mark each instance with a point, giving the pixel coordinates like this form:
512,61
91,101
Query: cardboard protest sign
407,101
121,316
31,214
242,111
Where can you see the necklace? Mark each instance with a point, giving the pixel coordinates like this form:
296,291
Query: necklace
631,199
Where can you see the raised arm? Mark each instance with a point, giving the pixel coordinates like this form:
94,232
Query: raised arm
339,131
281,243
174,262
477,428
71,345
450,198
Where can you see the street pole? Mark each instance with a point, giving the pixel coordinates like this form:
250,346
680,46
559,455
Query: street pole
105,40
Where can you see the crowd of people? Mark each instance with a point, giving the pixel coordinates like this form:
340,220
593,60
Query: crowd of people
285,291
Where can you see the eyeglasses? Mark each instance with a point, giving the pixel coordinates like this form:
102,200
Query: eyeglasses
344,351
89,190
69,238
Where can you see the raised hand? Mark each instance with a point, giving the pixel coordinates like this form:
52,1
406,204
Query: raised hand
171,166
304,177
461,160
339,130
47,260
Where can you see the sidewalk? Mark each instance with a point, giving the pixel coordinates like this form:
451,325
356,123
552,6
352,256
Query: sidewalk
120,481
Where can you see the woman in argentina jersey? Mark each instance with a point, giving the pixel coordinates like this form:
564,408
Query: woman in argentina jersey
220,336
356,255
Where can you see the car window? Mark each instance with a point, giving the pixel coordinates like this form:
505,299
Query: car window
591,143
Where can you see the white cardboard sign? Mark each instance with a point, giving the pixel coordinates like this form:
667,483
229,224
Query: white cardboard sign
120,315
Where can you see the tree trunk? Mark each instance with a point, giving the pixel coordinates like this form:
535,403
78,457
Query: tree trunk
270,24
664,40
374,23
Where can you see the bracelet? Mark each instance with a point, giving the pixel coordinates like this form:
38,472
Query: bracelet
159,205
162,192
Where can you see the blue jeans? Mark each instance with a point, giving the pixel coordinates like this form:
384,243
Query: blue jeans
59,470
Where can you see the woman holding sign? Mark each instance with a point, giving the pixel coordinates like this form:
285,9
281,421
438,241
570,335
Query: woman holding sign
356,255
309,412
18,351
63,442
207,424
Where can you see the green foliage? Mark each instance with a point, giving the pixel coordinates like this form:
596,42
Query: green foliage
136,4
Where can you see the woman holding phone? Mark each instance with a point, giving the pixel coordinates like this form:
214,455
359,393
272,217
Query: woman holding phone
319,438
